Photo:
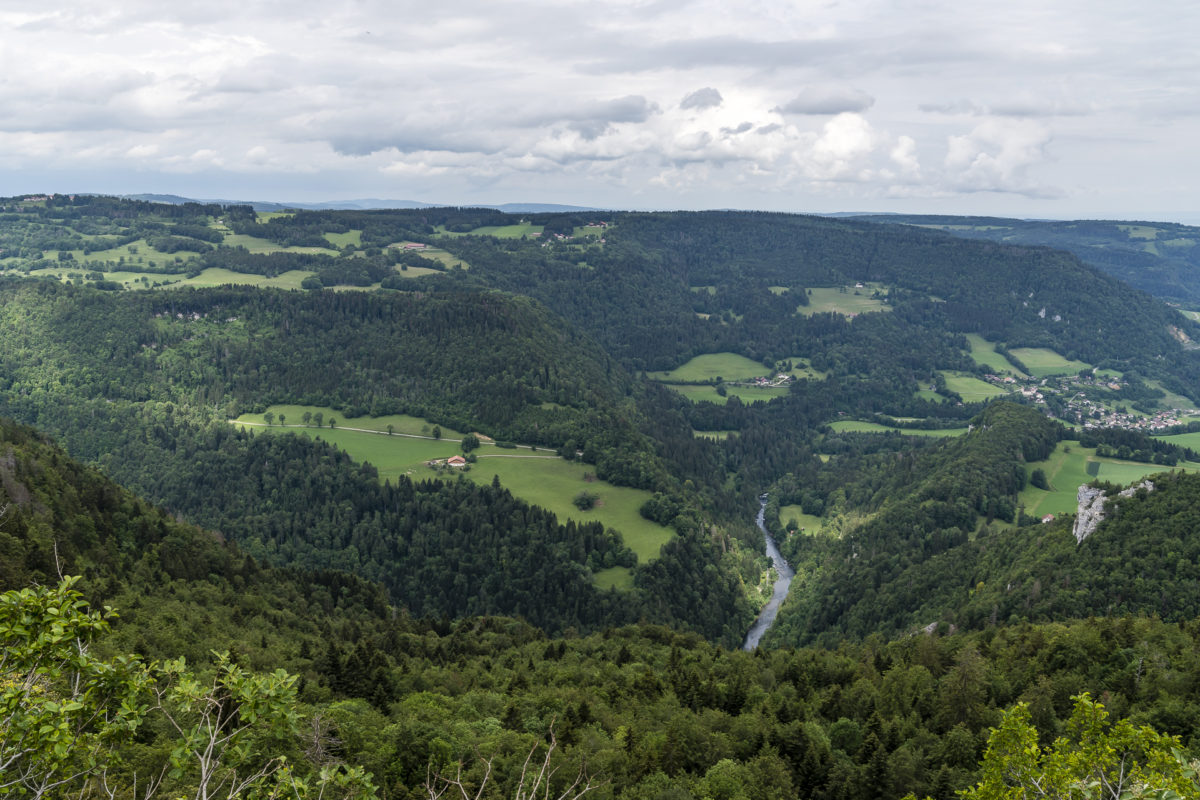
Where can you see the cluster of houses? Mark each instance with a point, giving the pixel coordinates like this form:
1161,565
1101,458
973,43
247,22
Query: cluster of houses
767,382
1073,399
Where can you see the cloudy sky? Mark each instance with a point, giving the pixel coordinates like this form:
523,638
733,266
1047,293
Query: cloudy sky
1024,108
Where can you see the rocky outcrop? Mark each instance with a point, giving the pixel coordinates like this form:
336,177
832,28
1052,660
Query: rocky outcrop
1091,507
1090,512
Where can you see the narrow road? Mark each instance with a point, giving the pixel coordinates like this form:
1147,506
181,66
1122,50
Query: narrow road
766,617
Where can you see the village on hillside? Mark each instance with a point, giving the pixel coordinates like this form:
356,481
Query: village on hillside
1089,400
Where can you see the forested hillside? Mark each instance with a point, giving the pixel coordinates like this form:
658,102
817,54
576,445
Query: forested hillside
538,330
643,710
1161,258
143,383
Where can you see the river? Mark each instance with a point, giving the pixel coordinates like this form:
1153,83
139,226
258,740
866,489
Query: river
766,617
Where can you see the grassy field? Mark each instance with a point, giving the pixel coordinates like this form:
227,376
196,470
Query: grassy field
970,388
803,370
401,423
984,352
538,477
340,240
134,253
859,426
1041,361
614,578
415,272
1067,471
1191,440
1140,231
729,366
213,276
843,300
217,276
747,394
499,231
1170,399
716,436
807,522
256,245
929,394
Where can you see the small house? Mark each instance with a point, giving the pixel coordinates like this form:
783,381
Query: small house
456,461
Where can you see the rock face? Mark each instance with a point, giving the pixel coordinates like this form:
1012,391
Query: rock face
1091,507
1090,512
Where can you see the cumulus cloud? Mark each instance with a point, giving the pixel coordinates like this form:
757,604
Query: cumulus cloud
997,156
368,95
701,99
820,100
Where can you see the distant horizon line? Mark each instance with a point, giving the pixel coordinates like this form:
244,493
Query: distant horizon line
1190,218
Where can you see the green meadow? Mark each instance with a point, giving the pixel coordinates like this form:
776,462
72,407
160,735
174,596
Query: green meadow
802,369
499,231
435,254
970,388
255,244
219,276
845,300
340,240
747,394
538,477
860,426
984,352
716,436
708,367
1191,440
807,522
1042,361
1067,471
134,253
401,423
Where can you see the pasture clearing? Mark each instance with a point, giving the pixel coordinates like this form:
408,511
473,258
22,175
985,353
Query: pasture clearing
747,394
860,426
257,245
414,272
930,395
709,367
219,276
984,352
848,301
808,523
401,423
619,578
125,257
1170,399
1042,361
970,388
1191,440
1140,231
516,231
716,436
537,477
802,369
340,240
1067,469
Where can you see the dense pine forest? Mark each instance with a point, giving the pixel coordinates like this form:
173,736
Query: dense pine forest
413,631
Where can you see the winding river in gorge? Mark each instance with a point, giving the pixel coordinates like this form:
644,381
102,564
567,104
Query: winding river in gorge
766,617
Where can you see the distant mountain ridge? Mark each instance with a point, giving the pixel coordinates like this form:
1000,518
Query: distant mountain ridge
1161,258
366,204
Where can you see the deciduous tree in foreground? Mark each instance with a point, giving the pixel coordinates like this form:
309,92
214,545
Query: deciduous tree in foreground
67,716
1095,760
